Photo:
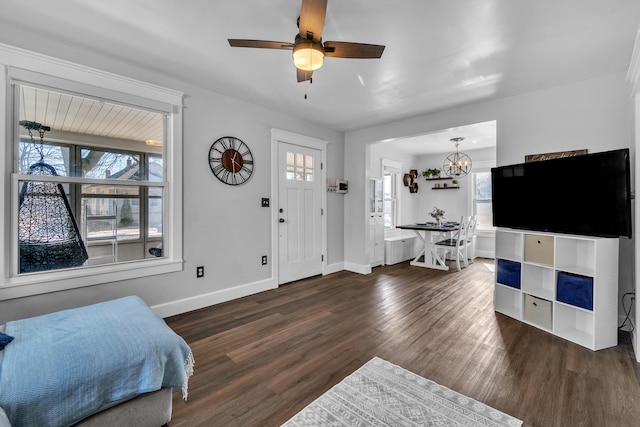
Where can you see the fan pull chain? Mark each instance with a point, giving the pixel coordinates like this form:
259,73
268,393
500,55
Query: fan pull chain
305,86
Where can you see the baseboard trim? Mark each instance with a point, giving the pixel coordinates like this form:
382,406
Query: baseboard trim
333,268
173,308
357,268
485,254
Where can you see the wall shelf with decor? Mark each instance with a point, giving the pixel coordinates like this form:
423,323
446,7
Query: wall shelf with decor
445,186
564,284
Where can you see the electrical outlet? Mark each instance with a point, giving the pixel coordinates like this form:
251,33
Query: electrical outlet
264,260
265,202
200,271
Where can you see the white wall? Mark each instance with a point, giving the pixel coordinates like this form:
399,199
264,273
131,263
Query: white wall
594,114
225,229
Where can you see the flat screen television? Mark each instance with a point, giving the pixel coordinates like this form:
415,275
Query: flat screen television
585,195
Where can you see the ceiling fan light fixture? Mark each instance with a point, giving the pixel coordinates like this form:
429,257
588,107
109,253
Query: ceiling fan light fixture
308,55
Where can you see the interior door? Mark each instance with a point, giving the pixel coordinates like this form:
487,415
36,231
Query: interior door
299,212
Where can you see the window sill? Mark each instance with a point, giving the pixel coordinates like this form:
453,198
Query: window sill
45,282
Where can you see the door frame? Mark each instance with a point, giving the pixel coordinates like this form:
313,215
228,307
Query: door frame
277,136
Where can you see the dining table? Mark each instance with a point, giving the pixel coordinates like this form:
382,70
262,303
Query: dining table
430,233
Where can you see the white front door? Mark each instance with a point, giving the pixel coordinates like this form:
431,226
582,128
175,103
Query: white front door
299,212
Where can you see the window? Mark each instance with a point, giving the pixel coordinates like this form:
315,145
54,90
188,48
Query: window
299,167
108,204
482,200
390,189
96,161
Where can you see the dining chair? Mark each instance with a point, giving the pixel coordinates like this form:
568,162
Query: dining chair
470,247
456,245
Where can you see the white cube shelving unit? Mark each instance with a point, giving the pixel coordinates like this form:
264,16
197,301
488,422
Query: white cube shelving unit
592,261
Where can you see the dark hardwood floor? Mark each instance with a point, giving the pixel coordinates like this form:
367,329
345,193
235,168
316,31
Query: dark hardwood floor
262,358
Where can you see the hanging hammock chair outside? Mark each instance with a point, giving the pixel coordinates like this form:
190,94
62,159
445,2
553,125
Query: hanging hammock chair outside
48,235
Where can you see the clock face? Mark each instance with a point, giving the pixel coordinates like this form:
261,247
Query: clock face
231,160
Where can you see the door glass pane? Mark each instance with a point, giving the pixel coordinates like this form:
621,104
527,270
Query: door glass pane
291,166
308,171
291,173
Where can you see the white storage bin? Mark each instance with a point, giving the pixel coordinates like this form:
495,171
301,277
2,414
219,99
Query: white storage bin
538,249
538,311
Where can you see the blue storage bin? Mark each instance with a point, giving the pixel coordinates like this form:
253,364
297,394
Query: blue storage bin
575,290
509,273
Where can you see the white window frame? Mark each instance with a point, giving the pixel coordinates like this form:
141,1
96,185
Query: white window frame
19,66
394,167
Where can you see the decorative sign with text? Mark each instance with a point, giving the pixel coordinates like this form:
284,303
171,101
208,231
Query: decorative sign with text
557,155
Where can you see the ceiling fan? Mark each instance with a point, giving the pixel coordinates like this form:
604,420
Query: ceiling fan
308,48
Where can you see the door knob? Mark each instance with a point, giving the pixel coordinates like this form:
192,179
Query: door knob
281,219
281,210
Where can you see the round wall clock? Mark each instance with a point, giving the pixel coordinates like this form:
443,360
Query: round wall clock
231,160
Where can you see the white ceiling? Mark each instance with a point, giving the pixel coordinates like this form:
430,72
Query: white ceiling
439,54
476,136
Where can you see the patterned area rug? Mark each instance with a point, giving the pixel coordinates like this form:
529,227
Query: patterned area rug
383,394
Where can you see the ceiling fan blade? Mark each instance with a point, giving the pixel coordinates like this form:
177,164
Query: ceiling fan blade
263,44
303,75
352,50
312,14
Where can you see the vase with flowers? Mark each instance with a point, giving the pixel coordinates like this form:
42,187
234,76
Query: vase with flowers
437,215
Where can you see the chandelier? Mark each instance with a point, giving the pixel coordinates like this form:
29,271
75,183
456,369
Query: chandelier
457,164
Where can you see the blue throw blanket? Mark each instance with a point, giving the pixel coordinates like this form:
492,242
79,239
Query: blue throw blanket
66,366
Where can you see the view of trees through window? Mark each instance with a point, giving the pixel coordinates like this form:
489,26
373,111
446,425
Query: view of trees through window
96,199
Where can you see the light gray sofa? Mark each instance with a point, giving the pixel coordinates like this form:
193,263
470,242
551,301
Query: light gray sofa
147,410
